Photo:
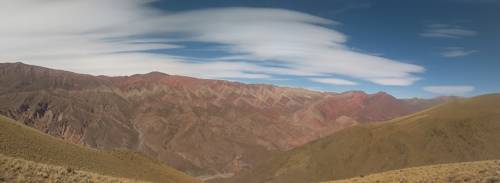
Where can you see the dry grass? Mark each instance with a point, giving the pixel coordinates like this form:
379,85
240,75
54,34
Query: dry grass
19,141
480,172
19,170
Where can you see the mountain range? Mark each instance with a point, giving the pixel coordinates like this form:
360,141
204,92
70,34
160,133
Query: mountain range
206,128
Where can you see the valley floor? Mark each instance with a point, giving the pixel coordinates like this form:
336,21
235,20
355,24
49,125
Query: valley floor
480,172
19,170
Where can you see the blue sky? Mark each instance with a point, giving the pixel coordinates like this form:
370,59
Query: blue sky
406,48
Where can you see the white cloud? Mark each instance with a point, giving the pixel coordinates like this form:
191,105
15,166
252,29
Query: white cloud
447,31
396,81
451,52
108,37
450,90
334,81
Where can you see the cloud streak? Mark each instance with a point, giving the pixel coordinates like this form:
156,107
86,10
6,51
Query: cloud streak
447,31
333,81
452,52
113,37
450,90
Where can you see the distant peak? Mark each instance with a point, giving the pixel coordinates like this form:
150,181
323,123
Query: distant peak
15,63
151,74
156,73
19,63
382,94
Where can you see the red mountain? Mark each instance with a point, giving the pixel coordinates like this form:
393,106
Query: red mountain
203,127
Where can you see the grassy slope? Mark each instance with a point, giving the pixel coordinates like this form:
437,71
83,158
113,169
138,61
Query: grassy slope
458,131
480,171
23,142
19,170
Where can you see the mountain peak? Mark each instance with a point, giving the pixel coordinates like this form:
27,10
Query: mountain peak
156,73
382,94
153,74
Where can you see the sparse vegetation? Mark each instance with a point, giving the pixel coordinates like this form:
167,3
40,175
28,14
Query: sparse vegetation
19,141
480,172
18,170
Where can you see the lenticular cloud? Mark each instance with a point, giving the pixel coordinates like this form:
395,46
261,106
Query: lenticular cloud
114,37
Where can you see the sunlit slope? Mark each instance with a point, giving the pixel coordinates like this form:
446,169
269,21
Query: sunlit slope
23,142
458,131
479,171
20,170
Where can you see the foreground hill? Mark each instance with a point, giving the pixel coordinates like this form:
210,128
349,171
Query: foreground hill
19,170
458,131
22,142
203,127
480,171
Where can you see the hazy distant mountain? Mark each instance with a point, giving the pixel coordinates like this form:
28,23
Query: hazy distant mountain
203,127
458,131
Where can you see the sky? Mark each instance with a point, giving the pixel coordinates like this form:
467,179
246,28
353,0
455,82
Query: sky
422,48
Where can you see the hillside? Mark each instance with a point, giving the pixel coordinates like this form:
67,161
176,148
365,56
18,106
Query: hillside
480,171
19,170
207,128
458,131
22,142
